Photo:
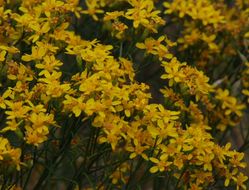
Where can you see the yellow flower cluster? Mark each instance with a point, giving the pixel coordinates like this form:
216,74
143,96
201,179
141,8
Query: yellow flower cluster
204,22
155,47
202,10
229,103
140,12
8,154
57,86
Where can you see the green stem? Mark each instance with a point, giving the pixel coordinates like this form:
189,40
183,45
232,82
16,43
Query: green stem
140,161
179,180
31,169
57,158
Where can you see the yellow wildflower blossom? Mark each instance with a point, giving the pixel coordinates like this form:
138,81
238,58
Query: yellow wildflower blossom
162,163
2,55
173,71
37,54
240,179
93,8
17,110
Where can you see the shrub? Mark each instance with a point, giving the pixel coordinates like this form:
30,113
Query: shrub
124,94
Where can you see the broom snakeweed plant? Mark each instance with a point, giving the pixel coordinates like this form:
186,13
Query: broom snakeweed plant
124,94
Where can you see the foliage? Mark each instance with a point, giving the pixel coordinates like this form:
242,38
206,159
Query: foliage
123,94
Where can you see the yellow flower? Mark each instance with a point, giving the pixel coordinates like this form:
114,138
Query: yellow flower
36,108
173,71
17,109
138,13
90,84
47,46
137,149
142,14
6,151
73,6
162,164
39,29
229,103
119,174
119,29
39,119
229,176
2,55
15,155
240,179
236,159
9,49
112,132
93,106
50,77
3,147
37,54
12,125
93,8
202,10
210,41
22,74
206,160
5,95
50,6
37,131
75,105
36,136
53,86
149,44
156,47
190,37
113,15
50,63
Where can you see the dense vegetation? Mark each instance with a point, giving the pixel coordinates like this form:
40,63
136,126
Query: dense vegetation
124,94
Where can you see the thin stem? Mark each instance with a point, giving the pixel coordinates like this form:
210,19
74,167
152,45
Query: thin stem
140,161
58,157
31,169
182,173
